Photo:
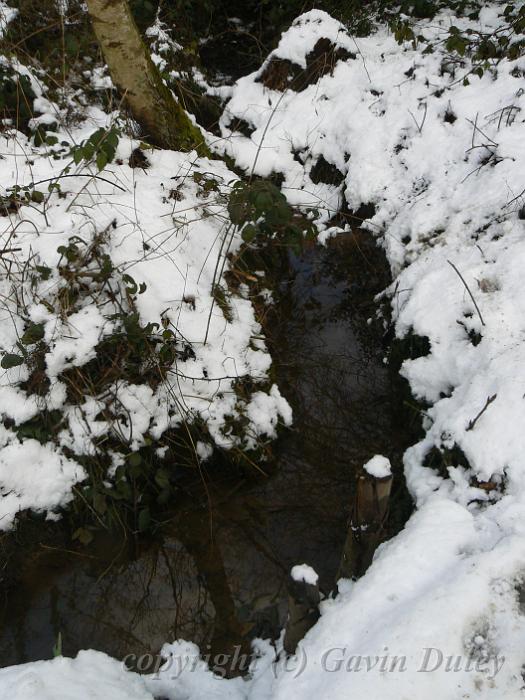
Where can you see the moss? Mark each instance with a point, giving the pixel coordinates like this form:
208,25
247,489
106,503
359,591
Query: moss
206,109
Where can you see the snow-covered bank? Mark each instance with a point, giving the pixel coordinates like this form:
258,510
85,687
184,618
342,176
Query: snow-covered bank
101,256
443,161
91,675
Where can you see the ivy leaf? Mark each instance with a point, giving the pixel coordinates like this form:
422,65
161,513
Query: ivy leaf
43,271
99,503
83,535
33,334
162,478
37,196
135,459
248,233
130,283
11,360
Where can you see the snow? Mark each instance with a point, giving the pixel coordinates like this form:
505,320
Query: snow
303,572
91,676
444,593
449,582
167,243
7,14
72,343
378,466
33,476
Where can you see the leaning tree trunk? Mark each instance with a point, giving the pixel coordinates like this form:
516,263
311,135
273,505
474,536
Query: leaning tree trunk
133,72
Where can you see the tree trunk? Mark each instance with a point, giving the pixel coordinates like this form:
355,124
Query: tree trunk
133,72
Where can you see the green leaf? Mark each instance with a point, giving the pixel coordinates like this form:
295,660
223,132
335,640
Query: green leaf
99,503
43,271
33,334
166,355
88,151
124,489
102,160
144,520
11,360
135,459
135,470
162,478
96,137
83,535
164,496
248,233
130,283
112,138
37,196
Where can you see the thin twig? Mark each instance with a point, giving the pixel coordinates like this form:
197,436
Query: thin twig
473,422
94,177
419,126
468,290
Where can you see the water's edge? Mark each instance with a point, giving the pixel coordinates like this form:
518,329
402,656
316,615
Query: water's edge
217,574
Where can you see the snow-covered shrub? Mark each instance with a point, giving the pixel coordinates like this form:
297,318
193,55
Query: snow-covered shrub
126,358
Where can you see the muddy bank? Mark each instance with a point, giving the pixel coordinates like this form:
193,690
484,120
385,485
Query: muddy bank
216,574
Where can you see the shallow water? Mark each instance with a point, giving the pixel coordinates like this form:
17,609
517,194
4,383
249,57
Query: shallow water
218,575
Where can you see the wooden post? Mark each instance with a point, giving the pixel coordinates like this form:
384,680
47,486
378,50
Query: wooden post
303,605
367,520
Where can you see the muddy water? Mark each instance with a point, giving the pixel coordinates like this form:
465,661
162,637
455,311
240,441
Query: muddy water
217,576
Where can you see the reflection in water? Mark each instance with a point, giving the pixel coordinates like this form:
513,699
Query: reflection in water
218,575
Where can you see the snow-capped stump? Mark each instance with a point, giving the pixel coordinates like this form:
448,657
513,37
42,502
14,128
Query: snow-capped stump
302,573
303,605
378,467
369,513
281,73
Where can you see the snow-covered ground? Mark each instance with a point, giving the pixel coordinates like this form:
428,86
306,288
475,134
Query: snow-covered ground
439,613
166,231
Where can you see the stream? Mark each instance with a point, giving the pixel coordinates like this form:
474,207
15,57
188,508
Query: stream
217,575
